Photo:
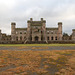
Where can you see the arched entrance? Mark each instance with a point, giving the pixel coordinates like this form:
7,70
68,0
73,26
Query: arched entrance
36,38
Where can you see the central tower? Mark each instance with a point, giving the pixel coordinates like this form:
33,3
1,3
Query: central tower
36,31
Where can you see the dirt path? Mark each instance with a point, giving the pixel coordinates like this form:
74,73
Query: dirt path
25,48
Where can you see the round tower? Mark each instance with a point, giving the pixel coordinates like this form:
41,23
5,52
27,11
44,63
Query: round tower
13,31
73,34
44,29
0,34
29,29
59,30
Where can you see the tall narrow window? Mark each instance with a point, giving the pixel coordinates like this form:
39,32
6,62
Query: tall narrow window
42,38
24,37
20,32
52,38
17,38
20,37
31,38
48,38
56,38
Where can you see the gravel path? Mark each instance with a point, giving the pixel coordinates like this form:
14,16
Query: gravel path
25,48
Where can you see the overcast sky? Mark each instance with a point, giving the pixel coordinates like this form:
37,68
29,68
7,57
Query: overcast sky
53,11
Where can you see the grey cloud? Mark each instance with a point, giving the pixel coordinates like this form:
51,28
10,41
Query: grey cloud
51,10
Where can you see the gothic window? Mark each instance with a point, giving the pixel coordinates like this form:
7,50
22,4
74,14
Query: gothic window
38,30
41,32
17,38
24,37
56,38
48,38
20,32
42,38
20,37
31,38
52,38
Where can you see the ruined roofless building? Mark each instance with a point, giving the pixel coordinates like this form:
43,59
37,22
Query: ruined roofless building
36,32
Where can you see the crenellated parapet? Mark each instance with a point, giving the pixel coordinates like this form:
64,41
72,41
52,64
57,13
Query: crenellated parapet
0,35
60,31
73,34
13,31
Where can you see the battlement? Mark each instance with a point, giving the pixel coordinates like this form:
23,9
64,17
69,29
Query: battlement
13,23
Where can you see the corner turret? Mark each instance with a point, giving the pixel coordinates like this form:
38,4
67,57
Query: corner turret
13,32
59,30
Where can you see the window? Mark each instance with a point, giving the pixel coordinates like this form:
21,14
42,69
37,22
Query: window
56,38
41,32
24,37
20,32
20,37
52,38
31,38
48,38
17,38
42,38
38,30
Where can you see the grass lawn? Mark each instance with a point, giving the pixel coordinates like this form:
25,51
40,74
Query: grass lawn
37,44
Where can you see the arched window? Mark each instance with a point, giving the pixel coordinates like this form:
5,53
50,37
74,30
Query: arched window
41,37
20,32
24,37
36,38
52,38
48,38
31,38
17,38
20,37
41,32
56,38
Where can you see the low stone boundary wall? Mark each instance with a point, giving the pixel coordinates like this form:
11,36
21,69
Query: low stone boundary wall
43,42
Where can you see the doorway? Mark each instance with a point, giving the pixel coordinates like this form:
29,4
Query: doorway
36,38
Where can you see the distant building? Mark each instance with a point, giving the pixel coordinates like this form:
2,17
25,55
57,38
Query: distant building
35,32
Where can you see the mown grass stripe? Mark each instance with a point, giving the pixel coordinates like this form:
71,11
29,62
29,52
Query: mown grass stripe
37,44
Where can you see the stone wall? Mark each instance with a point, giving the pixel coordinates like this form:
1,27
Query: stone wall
36,32
73,34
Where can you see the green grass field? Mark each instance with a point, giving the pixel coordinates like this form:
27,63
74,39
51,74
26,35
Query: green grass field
37,44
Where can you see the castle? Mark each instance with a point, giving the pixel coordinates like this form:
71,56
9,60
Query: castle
35,32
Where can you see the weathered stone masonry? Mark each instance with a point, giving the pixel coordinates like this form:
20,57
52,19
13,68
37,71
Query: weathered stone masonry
35,32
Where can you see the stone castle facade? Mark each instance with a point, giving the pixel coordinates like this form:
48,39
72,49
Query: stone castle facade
35,32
